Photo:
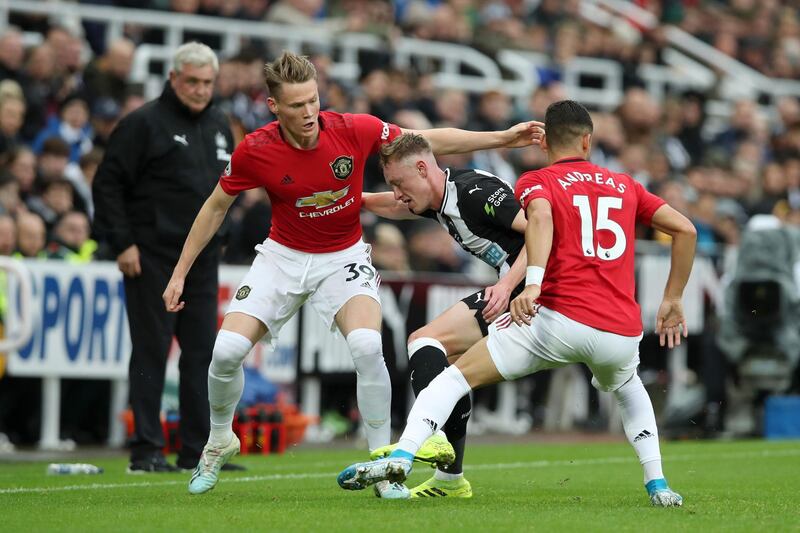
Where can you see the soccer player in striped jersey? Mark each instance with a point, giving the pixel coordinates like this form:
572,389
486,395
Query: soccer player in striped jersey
480,212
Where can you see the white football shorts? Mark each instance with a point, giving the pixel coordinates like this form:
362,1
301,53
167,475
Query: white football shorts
281,280
553,340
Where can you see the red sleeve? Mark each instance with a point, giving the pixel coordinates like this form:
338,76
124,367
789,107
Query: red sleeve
532,185
647,203
238,175
372,132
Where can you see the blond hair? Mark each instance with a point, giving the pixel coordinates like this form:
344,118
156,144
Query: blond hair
288,68
405,145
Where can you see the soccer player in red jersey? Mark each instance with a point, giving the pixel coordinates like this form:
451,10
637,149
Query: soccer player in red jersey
578,305
311,163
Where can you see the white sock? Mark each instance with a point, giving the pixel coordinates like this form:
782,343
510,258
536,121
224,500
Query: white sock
225,383
446,476
639,422
432,408
373,385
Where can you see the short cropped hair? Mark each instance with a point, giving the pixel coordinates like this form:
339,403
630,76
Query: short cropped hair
55,146
288,68
195,54
565,121
405,145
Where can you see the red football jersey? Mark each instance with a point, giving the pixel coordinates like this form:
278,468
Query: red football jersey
316,193
590,273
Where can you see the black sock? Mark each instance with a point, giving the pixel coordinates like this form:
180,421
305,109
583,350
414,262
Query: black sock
426,363
457,467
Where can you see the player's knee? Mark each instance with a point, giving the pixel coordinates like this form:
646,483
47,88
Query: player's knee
367,350
230,349
421,339
418,334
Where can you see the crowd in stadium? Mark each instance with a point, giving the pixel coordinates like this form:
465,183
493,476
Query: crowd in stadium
62,95
60,99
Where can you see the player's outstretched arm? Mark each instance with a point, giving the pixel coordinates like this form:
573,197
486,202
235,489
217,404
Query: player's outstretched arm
538,242
385,205
206,224
670,321
456,141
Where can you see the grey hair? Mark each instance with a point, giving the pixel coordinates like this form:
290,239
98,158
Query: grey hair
196,54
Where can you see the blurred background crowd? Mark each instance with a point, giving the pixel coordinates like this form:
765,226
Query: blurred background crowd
60,99
64,87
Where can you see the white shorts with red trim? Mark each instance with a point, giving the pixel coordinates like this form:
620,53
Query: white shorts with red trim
553,340
281,280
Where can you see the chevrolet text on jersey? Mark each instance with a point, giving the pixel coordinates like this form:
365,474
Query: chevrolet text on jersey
313,192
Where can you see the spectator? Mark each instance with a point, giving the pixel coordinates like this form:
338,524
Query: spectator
57,198
8,235
12,117
640,115
40,89
82,176
431,249
68,47
71,240
10,203
12,55
773,190
741,122
107,76
704,217
72,126
252,9
21,163
53,160
389,249
297,12
250,224
105,115
31,236
452,109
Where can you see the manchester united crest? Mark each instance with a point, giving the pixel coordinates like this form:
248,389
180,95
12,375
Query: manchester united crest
342,166
243,292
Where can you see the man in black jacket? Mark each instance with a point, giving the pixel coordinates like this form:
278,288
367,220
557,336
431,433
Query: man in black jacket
162,162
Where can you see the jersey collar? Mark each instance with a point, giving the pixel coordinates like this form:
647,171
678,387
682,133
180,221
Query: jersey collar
570,160
444,193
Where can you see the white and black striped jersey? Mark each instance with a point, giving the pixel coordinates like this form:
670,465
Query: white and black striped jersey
478,209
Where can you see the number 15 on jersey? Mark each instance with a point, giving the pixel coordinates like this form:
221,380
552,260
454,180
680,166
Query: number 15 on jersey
590,225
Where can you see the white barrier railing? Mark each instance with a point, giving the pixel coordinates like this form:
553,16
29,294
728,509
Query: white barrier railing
744,81
444,60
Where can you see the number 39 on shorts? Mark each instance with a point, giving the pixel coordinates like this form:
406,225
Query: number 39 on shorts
356,271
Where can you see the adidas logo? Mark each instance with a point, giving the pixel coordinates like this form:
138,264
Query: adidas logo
643,435
366,285
433,425
432,492
287,179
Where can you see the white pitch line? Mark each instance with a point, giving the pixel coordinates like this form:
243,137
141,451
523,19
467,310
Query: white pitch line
490,466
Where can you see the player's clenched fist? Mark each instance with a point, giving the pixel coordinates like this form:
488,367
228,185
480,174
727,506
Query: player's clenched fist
172,295
523,307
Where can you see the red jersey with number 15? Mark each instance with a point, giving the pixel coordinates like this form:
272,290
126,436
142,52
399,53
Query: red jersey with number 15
590,273
316,193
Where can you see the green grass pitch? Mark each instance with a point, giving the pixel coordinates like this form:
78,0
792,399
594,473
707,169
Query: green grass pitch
727,486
